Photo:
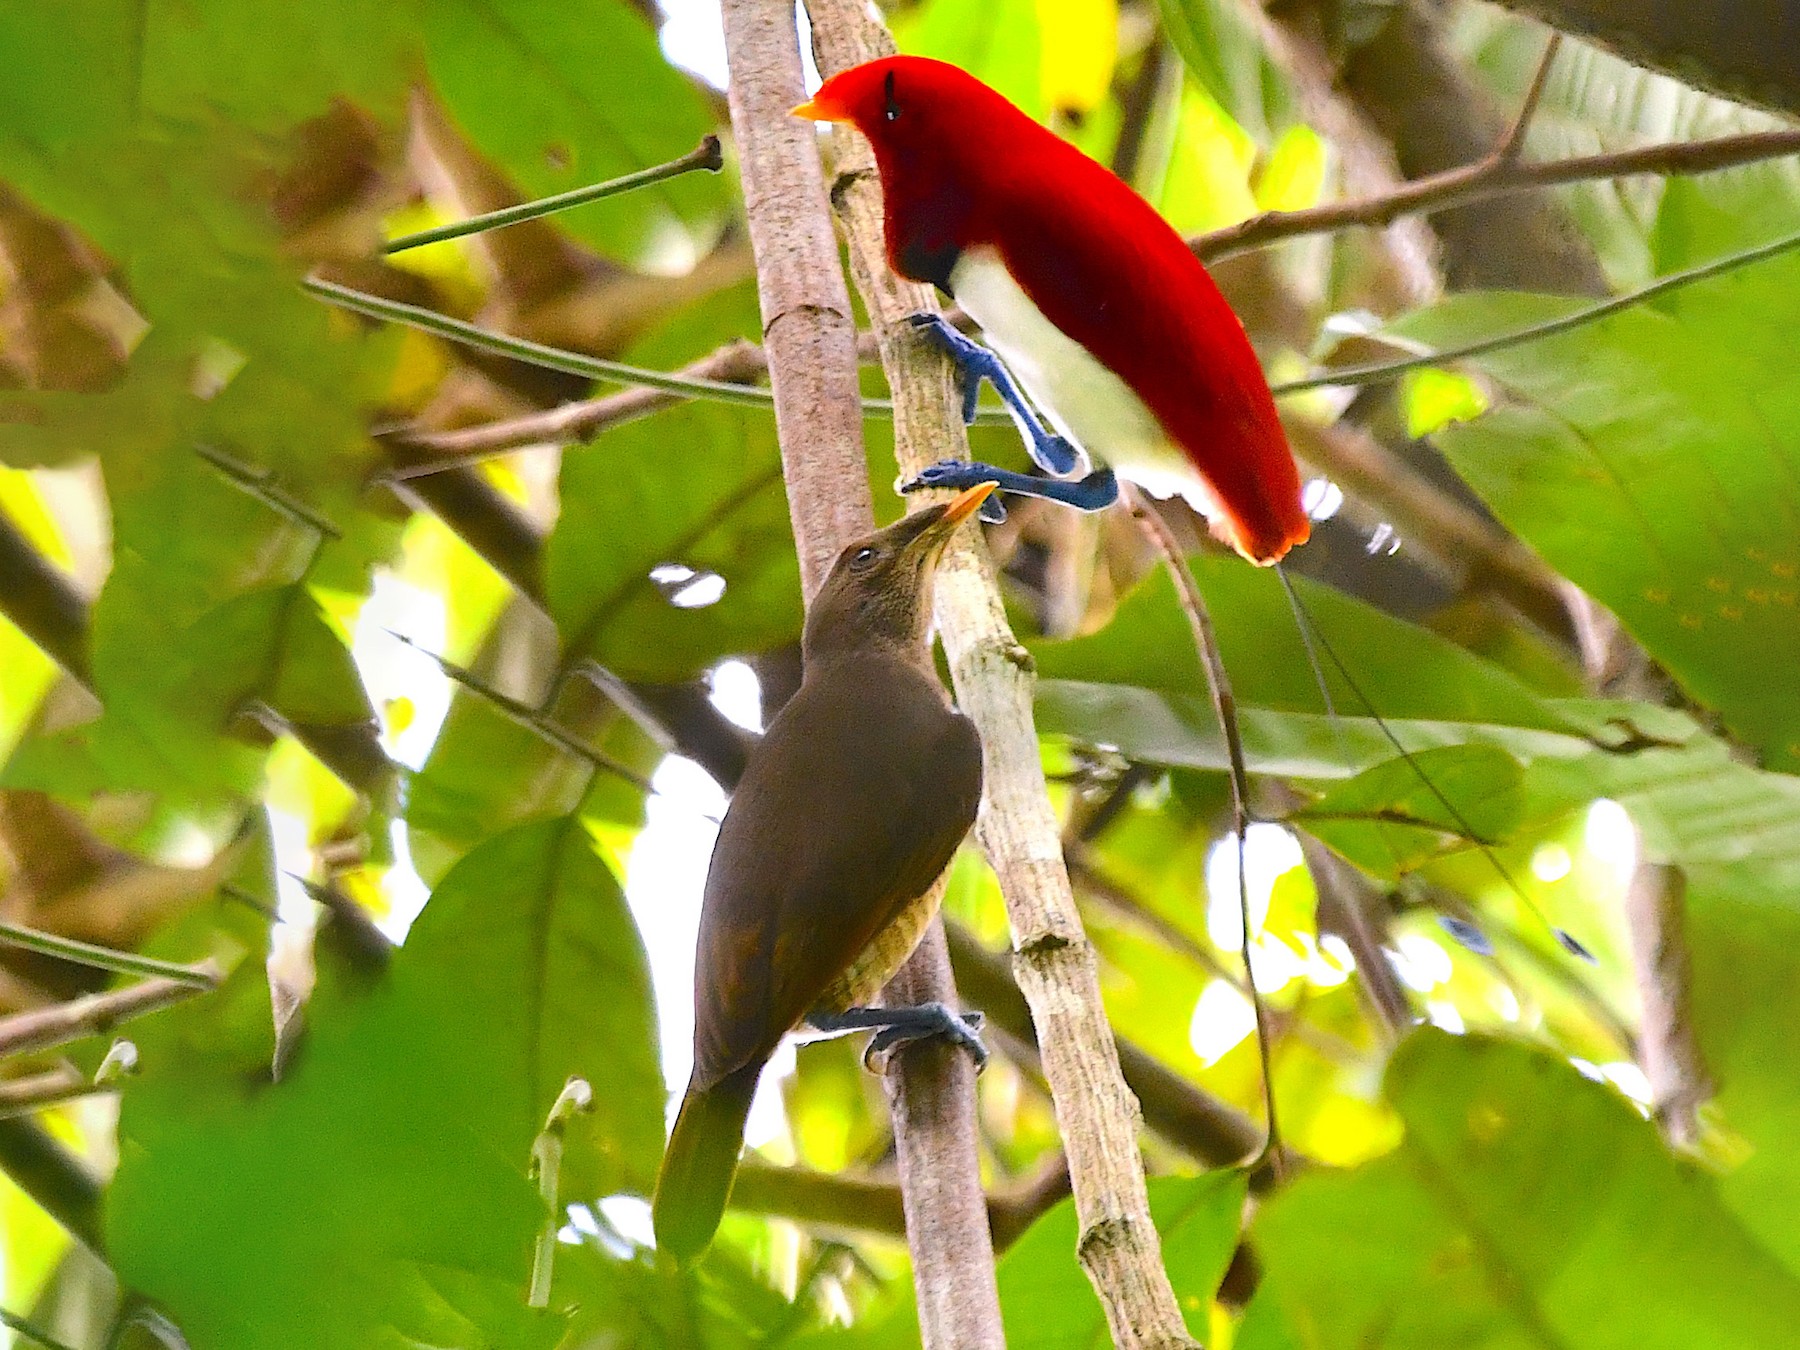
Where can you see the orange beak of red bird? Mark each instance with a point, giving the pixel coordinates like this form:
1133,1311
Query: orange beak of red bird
822,108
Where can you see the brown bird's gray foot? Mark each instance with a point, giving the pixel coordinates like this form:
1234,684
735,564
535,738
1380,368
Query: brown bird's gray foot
895,1027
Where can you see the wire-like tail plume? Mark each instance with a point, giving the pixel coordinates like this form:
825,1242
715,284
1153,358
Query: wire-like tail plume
1315,641
701,1160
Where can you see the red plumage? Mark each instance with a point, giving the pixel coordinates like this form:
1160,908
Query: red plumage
963,170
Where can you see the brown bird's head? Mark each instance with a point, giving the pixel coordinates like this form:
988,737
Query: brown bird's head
879,589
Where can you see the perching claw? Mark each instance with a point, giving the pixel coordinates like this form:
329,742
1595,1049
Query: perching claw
895,1027
1096,492
1050,452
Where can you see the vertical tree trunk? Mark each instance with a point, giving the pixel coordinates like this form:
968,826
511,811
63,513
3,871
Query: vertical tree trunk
1098,1117
809,334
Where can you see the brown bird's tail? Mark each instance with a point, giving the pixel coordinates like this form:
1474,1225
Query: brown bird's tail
701,1160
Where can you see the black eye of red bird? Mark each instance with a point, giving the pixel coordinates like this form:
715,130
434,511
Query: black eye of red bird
891,106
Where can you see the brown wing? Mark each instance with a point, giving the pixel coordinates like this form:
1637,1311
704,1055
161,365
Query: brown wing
851,806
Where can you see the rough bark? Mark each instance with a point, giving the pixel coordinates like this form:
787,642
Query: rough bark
810,338
1055,964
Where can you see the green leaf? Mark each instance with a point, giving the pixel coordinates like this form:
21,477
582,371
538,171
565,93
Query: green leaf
1138,685
1046,1299
701,489
528,943
1406,671
1651,458
562,94
1222,49
1434,399
1743,937
389,1166
1527,1207
1000,43
168,723
1393,818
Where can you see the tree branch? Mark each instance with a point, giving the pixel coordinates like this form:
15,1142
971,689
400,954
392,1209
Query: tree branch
809,333
1668,1051
1118,1245
41,599
1475,551
1493,176
434,451
1512,144
421,452
92,1014
1381,371
873,1206
61,1184
1218,684
37,1092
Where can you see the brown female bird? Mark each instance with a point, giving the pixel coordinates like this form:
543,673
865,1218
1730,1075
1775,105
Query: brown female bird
851,806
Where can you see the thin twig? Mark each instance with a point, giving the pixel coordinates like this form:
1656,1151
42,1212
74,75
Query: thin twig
31,1332
532,353
1492,177
735,362
203,976
527,716
91,1014
575,363
1387,370
1218,683
1512,144
705,156
261,484
41,1091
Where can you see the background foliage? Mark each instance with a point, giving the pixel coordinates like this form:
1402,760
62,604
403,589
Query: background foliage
214,746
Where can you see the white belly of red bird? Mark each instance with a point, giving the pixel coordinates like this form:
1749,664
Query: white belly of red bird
1081,398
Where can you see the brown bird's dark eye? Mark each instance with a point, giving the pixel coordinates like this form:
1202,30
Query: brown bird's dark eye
864,556
891,106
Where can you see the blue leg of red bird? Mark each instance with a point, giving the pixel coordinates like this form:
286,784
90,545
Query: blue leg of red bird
1052,453
1096,492
902,1026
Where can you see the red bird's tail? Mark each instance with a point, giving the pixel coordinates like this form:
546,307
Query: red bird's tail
1266,539
701,1160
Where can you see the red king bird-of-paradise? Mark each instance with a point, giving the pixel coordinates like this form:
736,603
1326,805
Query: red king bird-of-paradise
1093,302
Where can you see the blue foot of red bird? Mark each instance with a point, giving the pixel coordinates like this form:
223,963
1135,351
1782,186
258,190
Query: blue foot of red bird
895,1027
1052,453
1096,492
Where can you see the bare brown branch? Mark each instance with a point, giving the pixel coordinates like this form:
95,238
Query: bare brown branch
809,335
869,1205
1492,177
1668,1051
434,451
1056,966
1218,684
44,602
61,1023
1210,1131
